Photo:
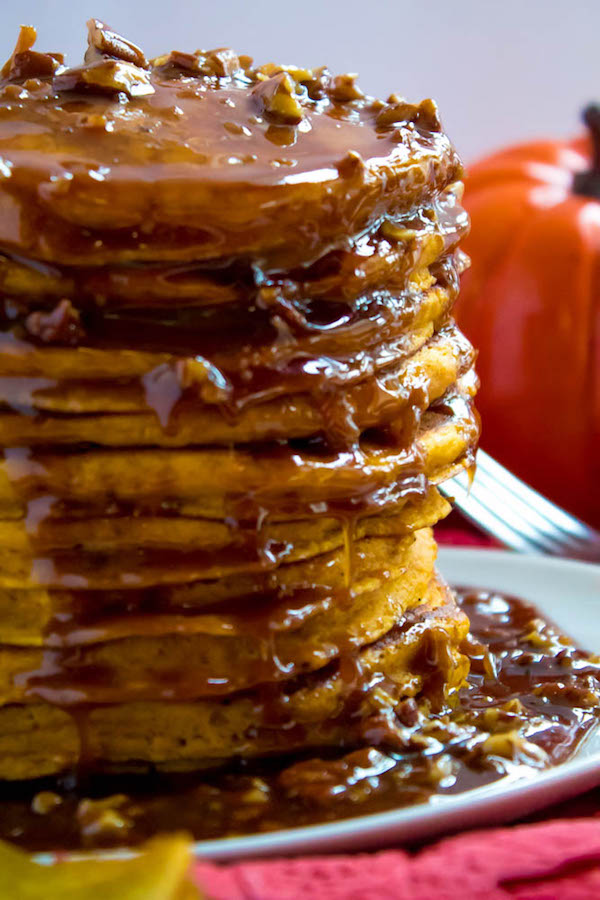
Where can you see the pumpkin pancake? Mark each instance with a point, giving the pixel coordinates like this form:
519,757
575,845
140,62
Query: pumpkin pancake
281,479
34,616
225,649
287,540
251,358
392,255
214,161
106,413
229,384
39,738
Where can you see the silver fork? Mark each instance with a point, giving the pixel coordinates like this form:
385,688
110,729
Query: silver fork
508,509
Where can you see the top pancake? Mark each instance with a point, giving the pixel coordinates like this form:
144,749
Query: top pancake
201,156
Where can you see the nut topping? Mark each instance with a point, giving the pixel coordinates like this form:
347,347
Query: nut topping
219,63
27,63
397,232
110,76
396,113
344,89
399,111
106,44
113,66
60,326
44,802
278,98
191,63
222,62
352,164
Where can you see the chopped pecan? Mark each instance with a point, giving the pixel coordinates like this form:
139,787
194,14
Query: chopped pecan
113,65
61,325
395,113
344,88
394,232
190,63
300,76
222,62
318,83
109,76
27,63
314,81
321,781
44,802
106,44
512,745
407,712
278,98
108,816
207,378
350,165
429,116
187,62
398,111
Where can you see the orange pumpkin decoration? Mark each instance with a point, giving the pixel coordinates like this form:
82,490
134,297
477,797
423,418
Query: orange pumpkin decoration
531,304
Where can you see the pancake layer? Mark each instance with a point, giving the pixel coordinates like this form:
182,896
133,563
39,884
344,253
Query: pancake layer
340,705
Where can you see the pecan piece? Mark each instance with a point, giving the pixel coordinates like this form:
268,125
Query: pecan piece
398,111
222,62
109,76
113,65
27,63
343,88
106,44
61,325
278,98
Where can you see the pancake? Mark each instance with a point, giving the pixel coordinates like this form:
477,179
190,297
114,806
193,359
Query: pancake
219,169
219,651
109,414
299,539
137,566
279,480
393,254
248,359
230,383
38,739
30,616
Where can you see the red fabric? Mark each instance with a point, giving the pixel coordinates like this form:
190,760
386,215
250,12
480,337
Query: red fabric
555,859
559,859
457,532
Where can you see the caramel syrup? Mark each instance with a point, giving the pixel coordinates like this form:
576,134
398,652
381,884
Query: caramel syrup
531,697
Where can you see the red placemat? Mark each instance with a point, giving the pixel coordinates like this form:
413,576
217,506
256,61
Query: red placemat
555,854
558,859
457,532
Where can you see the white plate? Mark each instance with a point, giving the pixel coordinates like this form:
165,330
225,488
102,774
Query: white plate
569,594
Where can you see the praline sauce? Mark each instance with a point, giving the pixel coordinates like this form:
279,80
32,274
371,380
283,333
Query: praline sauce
531,697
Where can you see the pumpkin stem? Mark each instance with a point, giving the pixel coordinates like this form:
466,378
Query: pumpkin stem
588,183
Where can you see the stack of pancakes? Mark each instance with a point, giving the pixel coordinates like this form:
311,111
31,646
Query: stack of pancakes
229,384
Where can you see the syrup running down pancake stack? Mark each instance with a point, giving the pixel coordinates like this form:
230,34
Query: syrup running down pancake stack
229,383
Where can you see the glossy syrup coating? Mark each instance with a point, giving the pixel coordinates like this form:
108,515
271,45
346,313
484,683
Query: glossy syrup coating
201,156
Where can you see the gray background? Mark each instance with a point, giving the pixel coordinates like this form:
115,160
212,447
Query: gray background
501,71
